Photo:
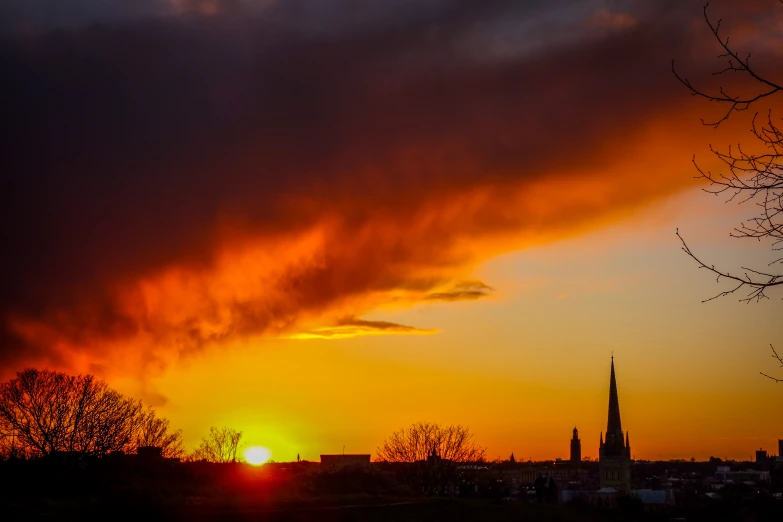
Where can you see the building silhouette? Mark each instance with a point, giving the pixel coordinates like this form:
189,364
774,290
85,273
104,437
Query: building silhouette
345,460
761,456
614,453
576,448
433,459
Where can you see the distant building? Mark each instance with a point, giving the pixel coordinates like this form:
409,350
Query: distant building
528,474
761,456
724,474
614,453
433,459
604,497
654,497
780,447
576,449
149,453
343,460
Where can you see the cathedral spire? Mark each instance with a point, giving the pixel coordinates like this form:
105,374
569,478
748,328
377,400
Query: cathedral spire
613,425
614,454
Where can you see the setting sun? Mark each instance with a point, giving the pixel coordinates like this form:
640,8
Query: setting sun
257,455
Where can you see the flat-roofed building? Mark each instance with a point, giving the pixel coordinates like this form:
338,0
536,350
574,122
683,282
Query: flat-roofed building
725,474
343,460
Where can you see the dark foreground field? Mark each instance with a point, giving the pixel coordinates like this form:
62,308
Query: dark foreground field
303,492
393,510
367,510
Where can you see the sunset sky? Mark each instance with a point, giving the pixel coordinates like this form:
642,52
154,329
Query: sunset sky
318,221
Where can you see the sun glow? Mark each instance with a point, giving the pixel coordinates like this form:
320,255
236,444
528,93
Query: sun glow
257,455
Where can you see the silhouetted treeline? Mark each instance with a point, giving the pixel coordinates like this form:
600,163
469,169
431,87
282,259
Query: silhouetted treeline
43,413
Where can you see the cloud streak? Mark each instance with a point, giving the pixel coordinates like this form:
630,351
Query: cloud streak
462,291
353,327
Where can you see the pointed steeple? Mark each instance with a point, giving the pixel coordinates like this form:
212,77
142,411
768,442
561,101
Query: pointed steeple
614,455
613,426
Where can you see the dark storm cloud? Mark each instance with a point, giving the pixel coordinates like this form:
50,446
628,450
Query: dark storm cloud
135,146
24,16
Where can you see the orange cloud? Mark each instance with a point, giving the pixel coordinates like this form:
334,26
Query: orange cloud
262,182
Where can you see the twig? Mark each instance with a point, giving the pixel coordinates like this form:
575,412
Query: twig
777,357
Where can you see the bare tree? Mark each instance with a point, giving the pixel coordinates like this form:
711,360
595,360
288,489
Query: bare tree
750,174
35,411
421,440
431,458
221,445
155,431
109,421
43,412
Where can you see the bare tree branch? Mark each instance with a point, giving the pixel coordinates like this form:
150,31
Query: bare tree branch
735,64
780,361
750,175
756,286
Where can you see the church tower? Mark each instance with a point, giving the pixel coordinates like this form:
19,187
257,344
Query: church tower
576,449
614,453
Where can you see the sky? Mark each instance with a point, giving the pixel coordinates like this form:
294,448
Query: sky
321,221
